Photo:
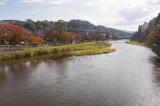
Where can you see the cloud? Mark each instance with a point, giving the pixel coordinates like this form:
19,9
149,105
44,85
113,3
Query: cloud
90,19
97,3
2,2
59,1
157,2
32,1
35,11
111,13
92,4
134,13
46,1
154,2
124,22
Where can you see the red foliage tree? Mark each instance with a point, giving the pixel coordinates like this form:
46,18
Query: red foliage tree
14,34
79,38
51,36
72,37
84,37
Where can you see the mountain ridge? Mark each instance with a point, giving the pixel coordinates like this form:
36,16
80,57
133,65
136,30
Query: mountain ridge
74,25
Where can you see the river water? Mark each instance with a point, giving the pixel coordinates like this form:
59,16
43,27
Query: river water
128,77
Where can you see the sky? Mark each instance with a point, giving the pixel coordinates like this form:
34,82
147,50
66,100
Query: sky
119,14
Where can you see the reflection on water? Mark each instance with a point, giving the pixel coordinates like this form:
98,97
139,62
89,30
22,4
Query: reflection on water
21,69
2,76
128,77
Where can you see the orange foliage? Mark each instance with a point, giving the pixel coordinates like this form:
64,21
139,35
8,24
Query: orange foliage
34,39
72,36
150,35
14,34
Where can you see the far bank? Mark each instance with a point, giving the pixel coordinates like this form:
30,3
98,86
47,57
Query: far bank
85,48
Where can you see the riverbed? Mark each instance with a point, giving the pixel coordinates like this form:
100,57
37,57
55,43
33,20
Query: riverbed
128,77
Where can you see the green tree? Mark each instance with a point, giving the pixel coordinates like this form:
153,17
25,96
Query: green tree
157,23
157,37
107,35
115,36
30,25
61,29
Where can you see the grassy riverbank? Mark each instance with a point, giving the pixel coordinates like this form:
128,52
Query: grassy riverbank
86,48
136,43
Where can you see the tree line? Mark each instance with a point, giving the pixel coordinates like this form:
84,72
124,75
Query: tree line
152,38
57,34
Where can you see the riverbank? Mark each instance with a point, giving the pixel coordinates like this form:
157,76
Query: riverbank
151,46
136,43
85,48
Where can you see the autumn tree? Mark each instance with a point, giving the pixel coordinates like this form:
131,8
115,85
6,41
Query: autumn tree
35,40
51,36
150,39
157,36
153,38
79,37
150,36
153,41
100,37
14,34
72,37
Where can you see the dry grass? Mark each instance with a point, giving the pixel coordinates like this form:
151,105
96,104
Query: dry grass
86,48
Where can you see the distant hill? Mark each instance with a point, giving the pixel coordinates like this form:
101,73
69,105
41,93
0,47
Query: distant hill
113,31
80,26
77,26
129,31
13,21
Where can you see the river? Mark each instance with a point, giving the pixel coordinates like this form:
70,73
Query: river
128,77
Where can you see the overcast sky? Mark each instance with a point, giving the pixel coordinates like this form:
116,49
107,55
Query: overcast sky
120,14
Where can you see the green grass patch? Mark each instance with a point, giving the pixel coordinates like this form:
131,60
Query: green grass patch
86,48
136,43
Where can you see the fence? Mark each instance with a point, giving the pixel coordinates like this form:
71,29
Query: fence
9,48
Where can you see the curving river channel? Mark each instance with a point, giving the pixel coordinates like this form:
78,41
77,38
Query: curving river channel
128,77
